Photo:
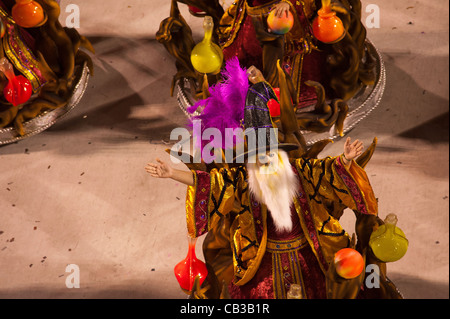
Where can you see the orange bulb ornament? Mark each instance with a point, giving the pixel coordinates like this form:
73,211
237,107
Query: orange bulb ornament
280,25
327,27
349,263
28,13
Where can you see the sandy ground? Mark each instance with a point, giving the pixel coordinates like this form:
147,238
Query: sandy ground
78,193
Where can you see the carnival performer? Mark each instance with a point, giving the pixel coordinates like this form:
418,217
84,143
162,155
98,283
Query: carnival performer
274,208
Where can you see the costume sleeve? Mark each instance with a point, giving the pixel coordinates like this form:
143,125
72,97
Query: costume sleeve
212,197
331,179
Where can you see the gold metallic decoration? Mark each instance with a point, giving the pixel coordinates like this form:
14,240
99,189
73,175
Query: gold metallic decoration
175,34
15,49
47,118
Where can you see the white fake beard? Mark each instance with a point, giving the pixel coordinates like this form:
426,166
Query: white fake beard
275,185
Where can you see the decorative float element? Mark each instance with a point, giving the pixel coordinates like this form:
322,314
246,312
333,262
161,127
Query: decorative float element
279,25
325,109
349,263
189,268
388,242
207,57
327,27
19,89
51,57
28,13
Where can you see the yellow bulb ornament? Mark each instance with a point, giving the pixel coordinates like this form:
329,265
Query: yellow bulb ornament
207,57
388,242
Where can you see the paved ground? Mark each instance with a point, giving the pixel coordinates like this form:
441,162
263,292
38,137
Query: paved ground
78,194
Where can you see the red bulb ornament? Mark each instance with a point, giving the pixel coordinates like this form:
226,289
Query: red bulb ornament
195,11
19,89
349,263
189,268
273,105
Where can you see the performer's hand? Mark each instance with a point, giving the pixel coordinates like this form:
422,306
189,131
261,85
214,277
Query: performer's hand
159,170
353,150
281,8
254,75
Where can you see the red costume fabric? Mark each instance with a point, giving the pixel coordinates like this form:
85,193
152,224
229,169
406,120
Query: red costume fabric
289,260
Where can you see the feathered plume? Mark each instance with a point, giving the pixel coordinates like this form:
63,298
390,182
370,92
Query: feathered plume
224,108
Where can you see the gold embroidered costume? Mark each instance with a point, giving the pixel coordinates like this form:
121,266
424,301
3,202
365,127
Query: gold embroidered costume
221,203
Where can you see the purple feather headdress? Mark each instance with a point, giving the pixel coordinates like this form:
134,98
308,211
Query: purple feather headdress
224,108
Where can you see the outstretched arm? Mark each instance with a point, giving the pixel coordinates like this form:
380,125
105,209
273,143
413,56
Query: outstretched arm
163,170
351,151
339,180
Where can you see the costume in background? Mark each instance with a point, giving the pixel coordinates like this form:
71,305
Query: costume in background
50,56
339,67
